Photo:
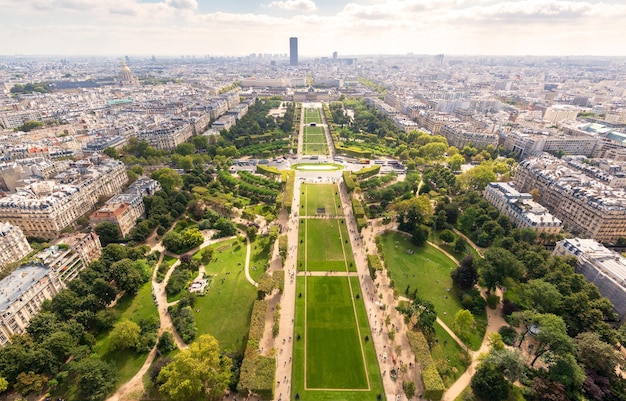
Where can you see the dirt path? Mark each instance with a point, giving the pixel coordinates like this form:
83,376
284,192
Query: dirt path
247,264
495,321
134,388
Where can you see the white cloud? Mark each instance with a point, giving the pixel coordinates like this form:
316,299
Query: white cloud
294,5
183,4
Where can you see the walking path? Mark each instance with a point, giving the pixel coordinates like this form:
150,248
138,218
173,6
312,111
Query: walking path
133,389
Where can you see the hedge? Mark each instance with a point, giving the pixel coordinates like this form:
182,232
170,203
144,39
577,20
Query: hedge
257,320
433,384
374,264
267,170
258,375
283,246
357,208
279,280
353,152
290,178
347,178
366,172
361,222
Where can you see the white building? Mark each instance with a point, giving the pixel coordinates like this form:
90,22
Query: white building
521,209
13,244
601,266
21,295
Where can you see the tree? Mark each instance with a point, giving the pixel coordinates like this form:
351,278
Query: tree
28,383
168,178
4,384
465,275
551,337
61,344
95,378
127,277
125,335
419,236
509,362
463,321
596,354
108,232
541,296
455,161
497,265
543,389
185,149
446,236
197,373
460,245
166,343
490,384
111,152
413,212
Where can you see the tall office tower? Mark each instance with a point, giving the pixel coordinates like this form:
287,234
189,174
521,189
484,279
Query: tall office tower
293,51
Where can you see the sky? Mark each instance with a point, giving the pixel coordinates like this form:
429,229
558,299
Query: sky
357,27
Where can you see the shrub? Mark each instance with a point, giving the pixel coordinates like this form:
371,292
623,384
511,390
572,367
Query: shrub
347,179
433,384
374,264
493,300
509,335
257,321
366,172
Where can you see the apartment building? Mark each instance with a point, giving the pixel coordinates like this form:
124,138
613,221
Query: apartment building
21,294
167,136
13,244
69,255
533,143
600,266
521,209
45,208
460,135
124,209
587,206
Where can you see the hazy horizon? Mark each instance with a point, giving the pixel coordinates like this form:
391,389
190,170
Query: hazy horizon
369,27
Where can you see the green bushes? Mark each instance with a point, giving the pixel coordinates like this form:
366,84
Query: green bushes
279,280
374,264
433,384
357,208
257,372
347,178
276,321
267,170
353,151
257,376
290,178
259,181
366,172
283,246
183,320
257,320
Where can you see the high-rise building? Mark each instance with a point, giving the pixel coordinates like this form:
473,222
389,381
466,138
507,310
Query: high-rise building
293,51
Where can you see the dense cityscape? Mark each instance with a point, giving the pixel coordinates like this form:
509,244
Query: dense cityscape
280,227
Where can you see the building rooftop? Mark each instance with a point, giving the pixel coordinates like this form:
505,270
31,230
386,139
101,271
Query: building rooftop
609,262
17,283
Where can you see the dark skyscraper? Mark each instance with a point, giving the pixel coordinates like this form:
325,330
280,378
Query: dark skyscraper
293,51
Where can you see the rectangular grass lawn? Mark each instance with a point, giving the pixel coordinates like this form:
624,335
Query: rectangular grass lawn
224,312
312,116
428,271
313,131
334,353
325,196
322,243
315,149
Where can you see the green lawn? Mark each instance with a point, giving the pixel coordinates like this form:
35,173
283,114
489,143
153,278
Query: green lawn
128,363
334,354
309,131
428,270
448,352
314,196
259,258
337,357
315,149
312,116
324,245
224,312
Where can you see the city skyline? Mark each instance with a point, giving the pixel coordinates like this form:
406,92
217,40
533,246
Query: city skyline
186,27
